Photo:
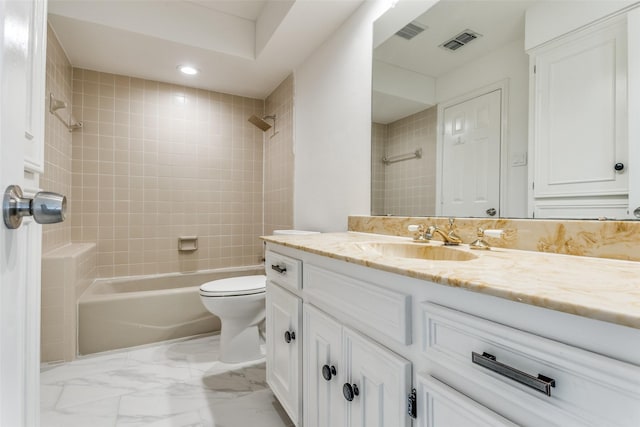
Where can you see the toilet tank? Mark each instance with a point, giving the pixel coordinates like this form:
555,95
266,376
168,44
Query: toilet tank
293,232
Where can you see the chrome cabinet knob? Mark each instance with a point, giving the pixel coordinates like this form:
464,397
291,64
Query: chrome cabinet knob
45,207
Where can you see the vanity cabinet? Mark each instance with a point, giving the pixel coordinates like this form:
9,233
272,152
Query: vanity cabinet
371,337
579,126
284,332
350,380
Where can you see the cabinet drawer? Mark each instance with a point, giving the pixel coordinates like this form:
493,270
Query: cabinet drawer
440,406
591,389
365,304
283,270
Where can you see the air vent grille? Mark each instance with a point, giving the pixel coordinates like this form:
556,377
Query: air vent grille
460,40
411,30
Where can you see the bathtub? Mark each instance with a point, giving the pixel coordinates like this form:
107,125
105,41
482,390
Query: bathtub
125,312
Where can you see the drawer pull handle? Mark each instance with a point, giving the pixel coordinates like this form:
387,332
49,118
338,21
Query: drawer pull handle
289,336
279,269
540,383
328,372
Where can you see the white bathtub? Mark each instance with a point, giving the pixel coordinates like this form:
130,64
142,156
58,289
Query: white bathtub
124,312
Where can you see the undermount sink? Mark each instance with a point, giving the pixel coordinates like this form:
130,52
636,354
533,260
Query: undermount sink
417,251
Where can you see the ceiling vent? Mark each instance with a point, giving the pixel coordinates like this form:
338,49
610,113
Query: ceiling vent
411,30
465,37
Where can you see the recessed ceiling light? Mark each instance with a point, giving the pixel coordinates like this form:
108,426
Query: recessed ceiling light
187,69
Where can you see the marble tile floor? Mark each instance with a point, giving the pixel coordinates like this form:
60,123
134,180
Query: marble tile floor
168,384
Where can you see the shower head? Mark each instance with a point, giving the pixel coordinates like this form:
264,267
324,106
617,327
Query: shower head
260,122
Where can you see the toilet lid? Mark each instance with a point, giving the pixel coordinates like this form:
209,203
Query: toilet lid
243,285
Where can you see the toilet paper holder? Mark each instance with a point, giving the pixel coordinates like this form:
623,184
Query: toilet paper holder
187,243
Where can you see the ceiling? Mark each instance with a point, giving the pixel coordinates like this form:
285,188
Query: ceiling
499,22
242,47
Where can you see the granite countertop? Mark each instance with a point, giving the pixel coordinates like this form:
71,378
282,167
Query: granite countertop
603,289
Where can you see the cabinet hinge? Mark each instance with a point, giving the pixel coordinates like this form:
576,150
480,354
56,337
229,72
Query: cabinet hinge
412,410
534,69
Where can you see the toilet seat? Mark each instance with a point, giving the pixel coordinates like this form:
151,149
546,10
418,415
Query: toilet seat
235,286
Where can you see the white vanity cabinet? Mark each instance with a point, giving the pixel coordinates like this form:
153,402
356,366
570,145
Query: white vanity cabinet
350,380
578,123
284,332
473,359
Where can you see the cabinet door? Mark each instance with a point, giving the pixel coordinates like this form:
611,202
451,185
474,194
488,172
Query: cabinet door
324,404
580,110
441,406
382,379
284,349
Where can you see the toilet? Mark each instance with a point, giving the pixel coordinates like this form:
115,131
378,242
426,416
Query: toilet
239,302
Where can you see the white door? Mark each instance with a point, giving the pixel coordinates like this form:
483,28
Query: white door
471,157
323,372
379,381
441,406
22,37
284,349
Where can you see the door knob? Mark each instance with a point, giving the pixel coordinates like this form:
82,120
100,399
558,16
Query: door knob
45,207
328,372
491,211
619,167
350,391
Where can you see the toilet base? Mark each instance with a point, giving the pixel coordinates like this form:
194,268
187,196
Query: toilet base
240,347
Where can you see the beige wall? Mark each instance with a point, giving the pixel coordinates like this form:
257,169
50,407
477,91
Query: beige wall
156,161
406,187
278,160
57,147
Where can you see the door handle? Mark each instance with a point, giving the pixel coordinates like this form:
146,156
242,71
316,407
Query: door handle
45,207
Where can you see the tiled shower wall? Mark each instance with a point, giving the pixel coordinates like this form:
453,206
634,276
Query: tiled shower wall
57,147
378,138
278,159
410,185
156,161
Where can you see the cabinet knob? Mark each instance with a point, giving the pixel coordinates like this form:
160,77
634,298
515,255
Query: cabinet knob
491,211
328,372
349,391
619,167
289,336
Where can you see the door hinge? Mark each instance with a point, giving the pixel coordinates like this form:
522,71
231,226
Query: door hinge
412,409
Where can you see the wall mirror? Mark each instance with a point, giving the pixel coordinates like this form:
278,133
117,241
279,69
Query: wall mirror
451,113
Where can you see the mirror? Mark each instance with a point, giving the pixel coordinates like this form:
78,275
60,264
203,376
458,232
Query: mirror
455,59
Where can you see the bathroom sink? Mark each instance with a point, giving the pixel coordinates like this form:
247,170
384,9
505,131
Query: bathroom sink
417,251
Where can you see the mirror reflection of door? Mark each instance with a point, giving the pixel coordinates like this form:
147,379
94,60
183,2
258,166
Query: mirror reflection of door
471,157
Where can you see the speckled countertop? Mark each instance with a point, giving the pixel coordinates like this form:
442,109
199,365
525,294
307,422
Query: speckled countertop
602,289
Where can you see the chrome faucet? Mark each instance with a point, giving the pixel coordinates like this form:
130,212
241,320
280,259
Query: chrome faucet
450,238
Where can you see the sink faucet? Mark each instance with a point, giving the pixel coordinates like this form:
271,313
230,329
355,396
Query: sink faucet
450,238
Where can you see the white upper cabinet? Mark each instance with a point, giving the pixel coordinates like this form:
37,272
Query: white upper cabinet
580,102
579,128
